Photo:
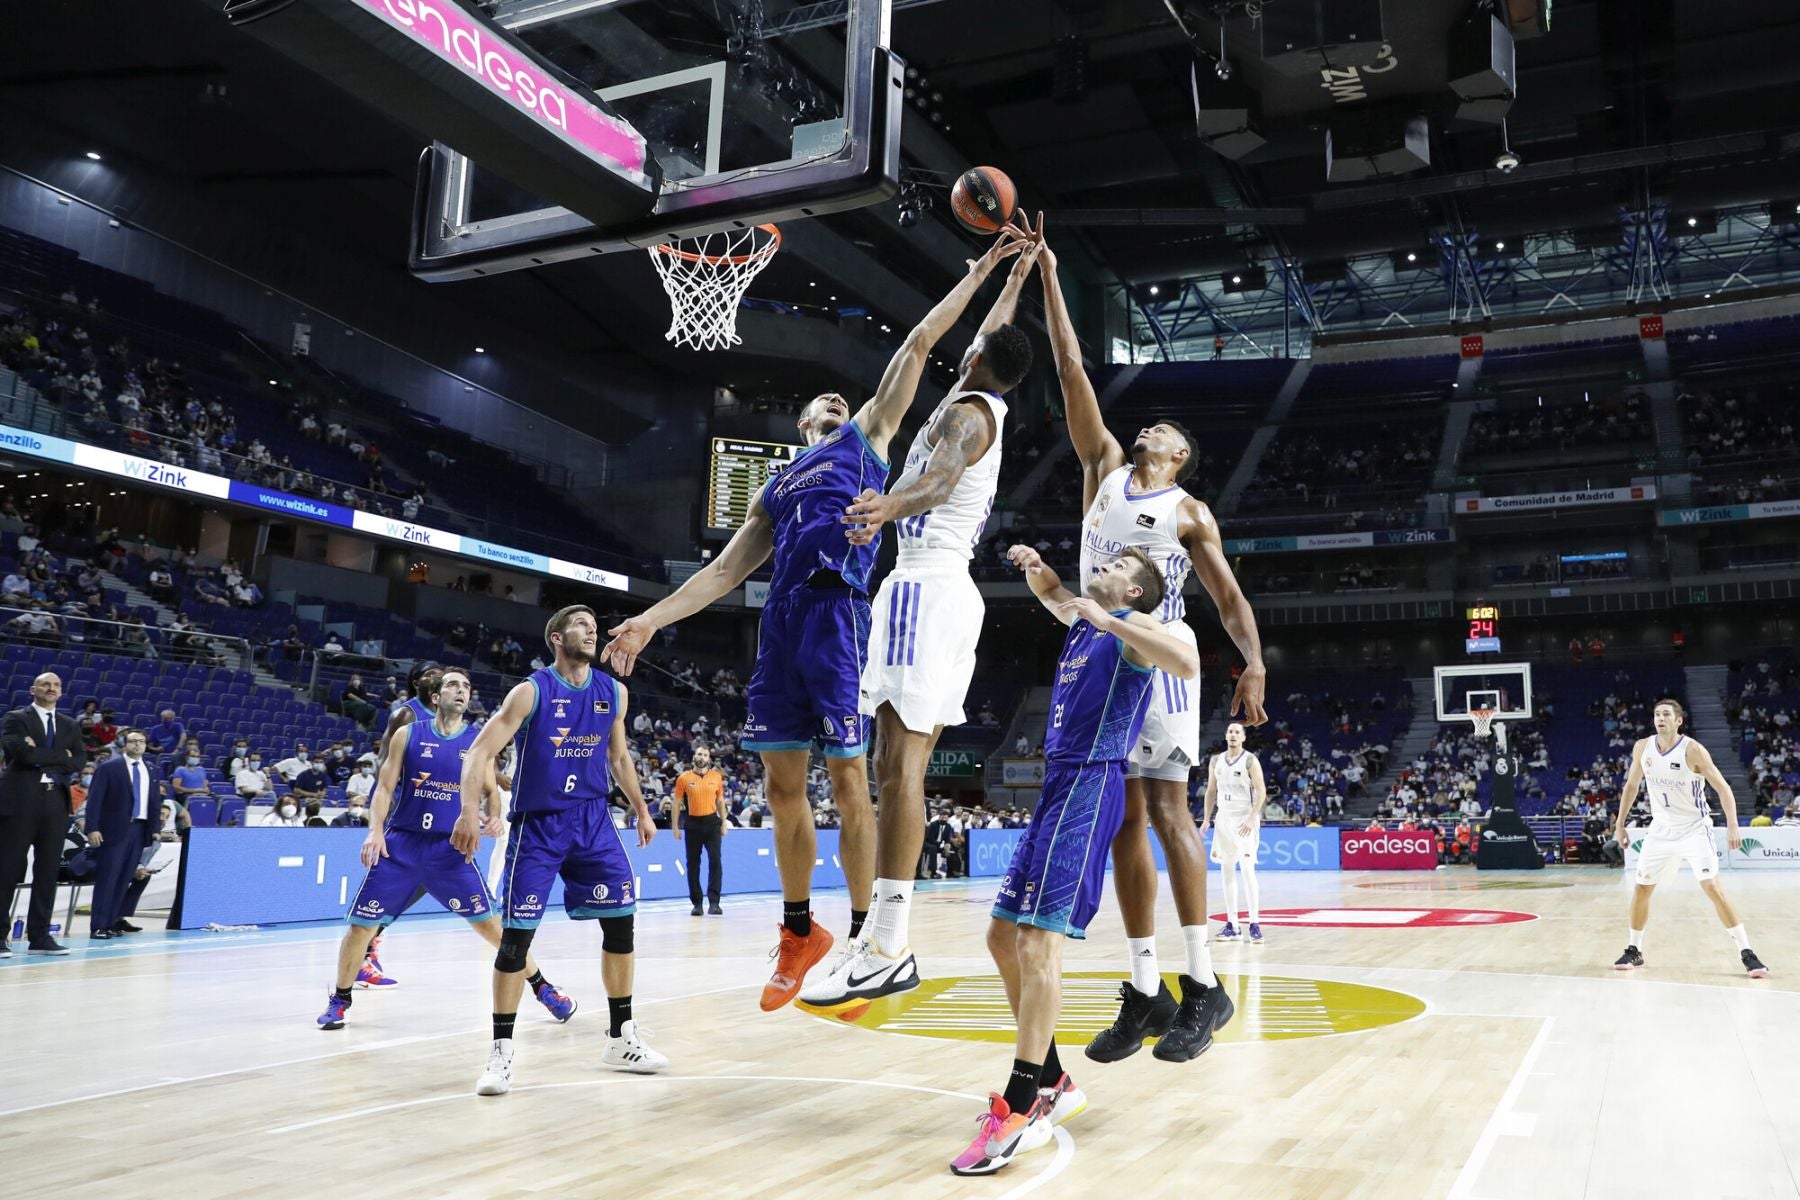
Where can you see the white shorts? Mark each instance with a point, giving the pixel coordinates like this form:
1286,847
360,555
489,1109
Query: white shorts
1663,848
1227,846
924,625
1169,746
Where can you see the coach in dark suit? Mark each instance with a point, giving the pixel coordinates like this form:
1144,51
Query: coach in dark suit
43,752
124,813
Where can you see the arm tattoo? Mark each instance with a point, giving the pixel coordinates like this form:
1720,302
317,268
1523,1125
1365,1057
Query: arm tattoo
962,439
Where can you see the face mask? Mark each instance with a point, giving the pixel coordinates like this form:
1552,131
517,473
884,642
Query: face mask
193,761
303,756
356,810
368,770
255,763
242,748
288,810
87,777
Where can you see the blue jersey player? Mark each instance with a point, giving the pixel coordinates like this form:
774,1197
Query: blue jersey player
568,720
1058,872
813,641
421,686
418,797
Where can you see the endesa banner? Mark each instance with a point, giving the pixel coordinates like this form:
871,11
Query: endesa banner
1280,848
1386,850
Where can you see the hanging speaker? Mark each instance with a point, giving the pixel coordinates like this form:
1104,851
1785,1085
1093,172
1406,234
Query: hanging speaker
1226,114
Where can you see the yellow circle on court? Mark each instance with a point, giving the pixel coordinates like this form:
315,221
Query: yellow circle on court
1270,1008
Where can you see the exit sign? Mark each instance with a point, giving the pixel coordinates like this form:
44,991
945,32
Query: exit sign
955,764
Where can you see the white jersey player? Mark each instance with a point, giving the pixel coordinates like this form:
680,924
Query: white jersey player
1136,501
1235,791
1674,771
924,625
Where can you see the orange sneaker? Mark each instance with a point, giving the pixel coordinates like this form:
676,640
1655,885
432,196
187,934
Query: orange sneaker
794,957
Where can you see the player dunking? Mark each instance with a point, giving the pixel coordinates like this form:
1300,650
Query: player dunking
1057,876
408,852
570,724
421,686
927,619
1137,501
814,635
1235,789
1675,770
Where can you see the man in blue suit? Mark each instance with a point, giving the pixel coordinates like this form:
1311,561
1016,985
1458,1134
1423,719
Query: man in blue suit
123,814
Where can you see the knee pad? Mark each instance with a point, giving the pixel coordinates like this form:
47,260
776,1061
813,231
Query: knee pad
616,934
515,945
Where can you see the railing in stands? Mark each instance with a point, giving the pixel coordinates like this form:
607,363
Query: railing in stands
54,630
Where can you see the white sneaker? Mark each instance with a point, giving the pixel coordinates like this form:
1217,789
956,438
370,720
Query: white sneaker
630,1052
497,1079
862,975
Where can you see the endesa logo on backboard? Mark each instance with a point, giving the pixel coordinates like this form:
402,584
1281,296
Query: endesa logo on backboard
1382,850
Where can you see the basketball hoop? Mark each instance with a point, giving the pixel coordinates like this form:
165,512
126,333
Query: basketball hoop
706,278
1483,719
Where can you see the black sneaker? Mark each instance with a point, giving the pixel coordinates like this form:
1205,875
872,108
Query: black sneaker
1631,960
698,911
713,910
1203,1011
46,945
1753,965
1140,1017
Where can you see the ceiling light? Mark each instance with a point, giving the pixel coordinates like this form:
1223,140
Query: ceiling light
814,283
1499,245
1709,295
94,154
481,349
1237,279
272,383
1411,257
1154,289
1693,222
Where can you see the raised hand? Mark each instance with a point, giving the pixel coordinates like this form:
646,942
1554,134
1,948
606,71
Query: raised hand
629,637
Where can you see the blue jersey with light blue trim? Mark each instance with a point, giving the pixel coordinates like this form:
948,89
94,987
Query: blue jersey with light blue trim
1098,704
428,796
806,501
561,747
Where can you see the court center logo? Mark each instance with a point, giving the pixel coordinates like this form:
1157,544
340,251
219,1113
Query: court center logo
973,1008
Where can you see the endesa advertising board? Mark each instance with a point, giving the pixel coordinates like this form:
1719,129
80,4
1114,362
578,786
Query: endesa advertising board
1386,850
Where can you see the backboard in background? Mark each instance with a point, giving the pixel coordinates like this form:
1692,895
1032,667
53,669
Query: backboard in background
755,111
1503,687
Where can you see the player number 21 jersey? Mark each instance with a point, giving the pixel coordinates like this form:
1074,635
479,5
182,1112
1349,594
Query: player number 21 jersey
1098,704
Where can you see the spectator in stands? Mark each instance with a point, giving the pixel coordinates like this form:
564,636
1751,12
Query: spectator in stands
357,703
134,639
104,730
988,718
333,647
300,760
238,759
15,588
168,734
161,584
309,785
357,815
361,784
312,818
291,645
287,813
252,782
1274,813
189,779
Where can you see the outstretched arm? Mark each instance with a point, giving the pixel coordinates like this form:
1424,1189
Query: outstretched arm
1200,534
880,417
963,436
1099,452
1008,301
748,549
1701,760
1042,580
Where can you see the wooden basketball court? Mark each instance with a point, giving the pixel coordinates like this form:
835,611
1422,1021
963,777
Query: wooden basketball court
1470,1057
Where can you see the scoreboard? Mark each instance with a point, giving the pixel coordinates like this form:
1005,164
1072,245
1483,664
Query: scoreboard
737,473
1483,635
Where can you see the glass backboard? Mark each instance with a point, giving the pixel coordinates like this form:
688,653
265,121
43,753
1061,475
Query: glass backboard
1503,687
754,110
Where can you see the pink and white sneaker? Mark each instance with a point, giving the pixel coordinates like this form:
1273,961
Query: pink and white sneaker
1001,1135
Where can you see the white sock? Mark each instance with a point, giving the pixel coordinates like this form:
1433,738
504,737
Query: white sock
1231,907
1252,892
1637,938
889,916
1737,935
1199,955
504,1046
1145,976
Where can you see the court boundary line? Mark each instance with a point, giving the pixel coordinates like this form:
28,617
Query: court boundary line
1065,1150
389,1044
1464,1187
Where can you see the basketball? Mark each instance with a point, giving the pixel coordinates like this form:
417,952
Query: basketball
983,199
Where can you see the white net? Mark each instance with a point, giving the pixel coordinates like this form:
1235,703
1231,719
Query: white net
1483,719
706,278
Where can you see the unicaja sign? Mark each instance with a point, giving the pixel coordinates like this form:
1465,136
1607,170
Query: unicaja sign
456,37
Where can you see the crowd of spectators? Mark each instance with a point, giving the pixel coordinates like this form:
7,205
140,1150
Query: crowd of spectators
1340,467
1561,425
1739,423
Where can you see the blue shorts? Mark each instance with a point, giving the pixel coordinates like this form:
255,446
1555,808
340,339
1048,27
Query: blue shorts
807,685
583,846
1058,872
418,863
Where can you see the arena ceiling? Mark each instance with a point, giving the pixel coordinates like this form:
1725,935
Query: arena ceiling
1623,103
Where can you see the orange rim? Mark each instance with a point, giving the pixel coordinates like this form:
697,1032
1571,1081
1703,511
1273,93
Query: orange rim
674,251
